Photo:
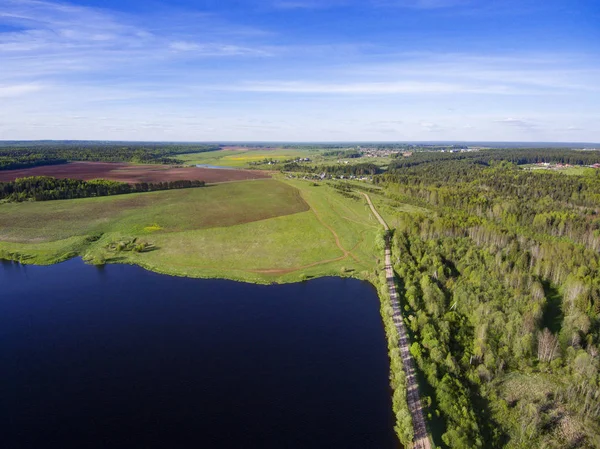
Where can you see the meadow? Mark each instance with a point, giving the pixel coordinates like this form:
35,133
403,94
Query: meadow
243,157
258,231
574,170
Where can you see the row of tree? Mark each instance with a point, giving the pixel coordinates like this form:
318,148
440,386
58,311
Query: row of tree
44,188
361,169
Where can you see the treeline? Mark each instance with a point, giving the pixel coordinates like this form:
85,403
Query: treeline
45,188
346,154
547,203
517,156
25,156
361,169
501,292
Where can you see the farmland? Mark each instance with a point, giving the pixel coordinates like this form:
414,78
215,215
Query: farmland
240,157
261,231
131,173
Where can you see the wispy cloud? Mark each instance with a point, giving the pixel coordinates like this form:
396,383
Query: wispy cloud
431,73
431,127
423,4
53,38
210,49
18,90
71,71
526,73
518,123
365,88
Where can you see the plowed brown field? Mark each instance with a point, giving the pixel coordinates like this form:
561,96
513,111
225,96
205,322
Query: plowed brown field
132,174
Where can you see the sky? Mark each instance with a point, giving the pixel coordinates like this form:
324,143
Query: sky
300,70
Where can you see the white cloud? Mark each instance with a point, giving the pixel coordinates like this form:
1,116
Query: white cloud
18,90
518,123
365,88
210,49
430,127
78,72
62,39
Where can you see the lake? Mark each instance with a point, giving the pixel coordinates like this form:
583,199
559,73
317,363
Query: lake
122,357
216,167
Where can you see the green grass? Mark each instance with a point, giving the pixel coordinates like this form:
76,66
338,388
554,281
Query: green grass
257,231
571,171
149,213
332,161
242,158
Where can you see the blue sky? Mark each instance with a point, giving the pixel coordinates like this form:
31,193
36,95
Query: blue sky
300,70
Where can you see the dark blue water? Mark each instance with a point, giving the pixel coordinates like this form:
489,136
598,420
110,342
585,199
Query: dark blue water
121,357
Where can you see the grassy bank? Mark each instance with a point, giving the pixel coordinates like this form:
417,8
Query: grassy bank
403,426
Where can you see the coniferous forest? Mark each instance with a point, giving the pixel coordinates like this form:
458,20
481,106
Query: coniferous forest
500,276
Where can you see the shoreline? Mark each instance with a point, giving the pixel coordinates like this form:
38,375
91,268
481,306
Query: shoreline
23,258
376,278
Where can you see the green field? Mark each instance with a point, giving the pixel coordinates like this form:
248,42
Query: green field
143,213
258,231
241,158
572,171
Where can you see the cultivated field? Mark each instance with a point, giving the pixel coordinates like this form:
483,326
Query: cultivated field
131,173
243,157
142,213
259,231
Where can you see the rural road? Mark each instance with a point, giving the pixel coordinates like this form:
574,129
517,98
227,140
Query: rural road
421,437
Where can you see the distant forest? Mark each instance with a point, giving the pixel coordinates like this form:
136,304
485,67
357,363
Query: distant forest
518,156
361,169
44,188
23,155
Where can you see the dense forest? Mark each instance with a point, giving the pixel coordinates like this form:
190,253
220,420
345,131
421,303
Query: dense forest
23,155
344,154
518,156
500,276
45,188
360,169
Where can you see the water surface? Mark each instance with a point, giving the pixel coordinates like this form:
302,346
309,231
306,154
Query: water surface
218,167
122,357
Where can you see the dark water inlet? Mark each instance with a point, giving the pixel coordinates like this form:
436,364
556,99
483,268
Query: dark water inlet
122,357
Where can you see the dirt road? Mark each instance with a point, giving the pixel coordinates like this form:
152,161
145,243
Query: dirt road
421,439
